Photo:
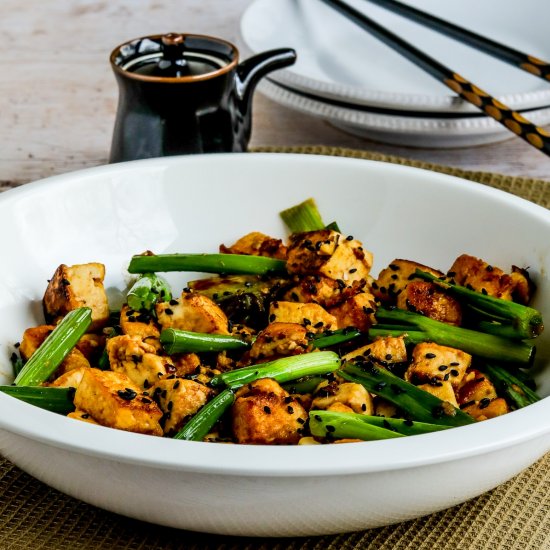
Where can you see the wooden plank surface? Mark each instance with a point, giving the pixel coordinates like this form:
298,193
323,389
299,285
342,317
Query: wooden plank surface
58,96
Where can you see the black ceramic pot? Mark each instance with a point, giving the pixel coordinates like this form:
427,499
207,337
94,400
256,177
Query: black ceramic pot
185,93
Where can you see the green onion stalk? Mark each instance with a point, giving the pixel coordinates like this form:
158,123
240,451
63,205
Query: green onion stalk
58,400
207,263
51,353
417,404
340,425
509,318
487,346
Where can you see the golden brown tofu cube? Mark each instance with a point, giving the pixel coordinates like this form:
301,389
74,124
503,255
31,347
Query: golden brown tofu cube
352,395
443,390
477,274
322,290
265,414
330,254
487,408
193,312
132,323
394,278
70,379
257,244
383,351
432,362
357,311
137,360
77,286
314,317
33,339
279,340
475,386
426,298
113,400
179,399
91,346
385,408
185,363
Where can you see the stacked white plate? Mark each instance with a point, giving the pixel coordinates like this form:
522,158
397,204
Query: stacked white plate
360,85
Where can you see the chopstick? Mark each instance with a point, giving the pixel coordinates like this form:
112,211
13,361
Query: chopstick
520,60
512,120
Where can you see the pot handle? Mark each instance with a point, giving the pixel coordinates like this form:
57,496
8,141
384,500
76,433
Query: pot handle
251,70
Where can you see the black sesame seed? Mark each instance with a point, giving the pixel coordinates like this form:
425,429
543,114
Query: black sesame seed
442,367
394,267
388,356
408,422
127,394
300,421
272,318
484,403
429,355
168,311
330,428
170,405
454,372
353,270
176,384
290,410
363,407
173,302
267,410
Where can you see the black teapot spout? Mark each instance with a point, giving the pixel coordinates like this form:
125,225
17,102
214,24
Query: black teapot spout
253,69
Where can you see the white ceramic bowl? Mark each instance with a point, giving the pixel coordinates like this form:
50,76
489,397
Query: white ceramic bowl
194,203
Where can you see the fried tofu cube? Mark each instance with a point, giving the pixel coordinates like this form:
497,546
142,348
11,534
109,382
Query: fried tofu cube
178,399
353,396
475,386
193,312
393,279
478,275
265,414
133,323
34,337
432,362
330,254
77,286
427,299
70,379
113,400
137,360
487,408
314,317
279,340
185,363
257,244
322,290
444,390
82,416
91,346
385,408
388,350
357,311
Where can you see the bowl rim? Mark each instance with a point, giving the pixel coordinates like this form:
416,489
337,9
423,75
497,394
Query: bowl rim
509,430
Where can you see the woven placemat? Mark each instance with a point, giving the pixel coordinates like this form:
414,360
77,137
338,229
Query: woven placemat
514,516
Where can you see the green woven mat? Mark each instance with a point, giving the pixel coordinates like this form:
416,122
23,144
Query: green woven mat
514,516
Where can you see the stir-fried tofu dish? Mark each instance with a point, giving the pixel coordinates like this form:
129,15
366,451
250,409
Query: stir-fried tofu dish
293,342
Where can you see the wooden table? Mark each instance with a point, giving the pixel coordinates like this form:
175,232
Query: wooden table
58,95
